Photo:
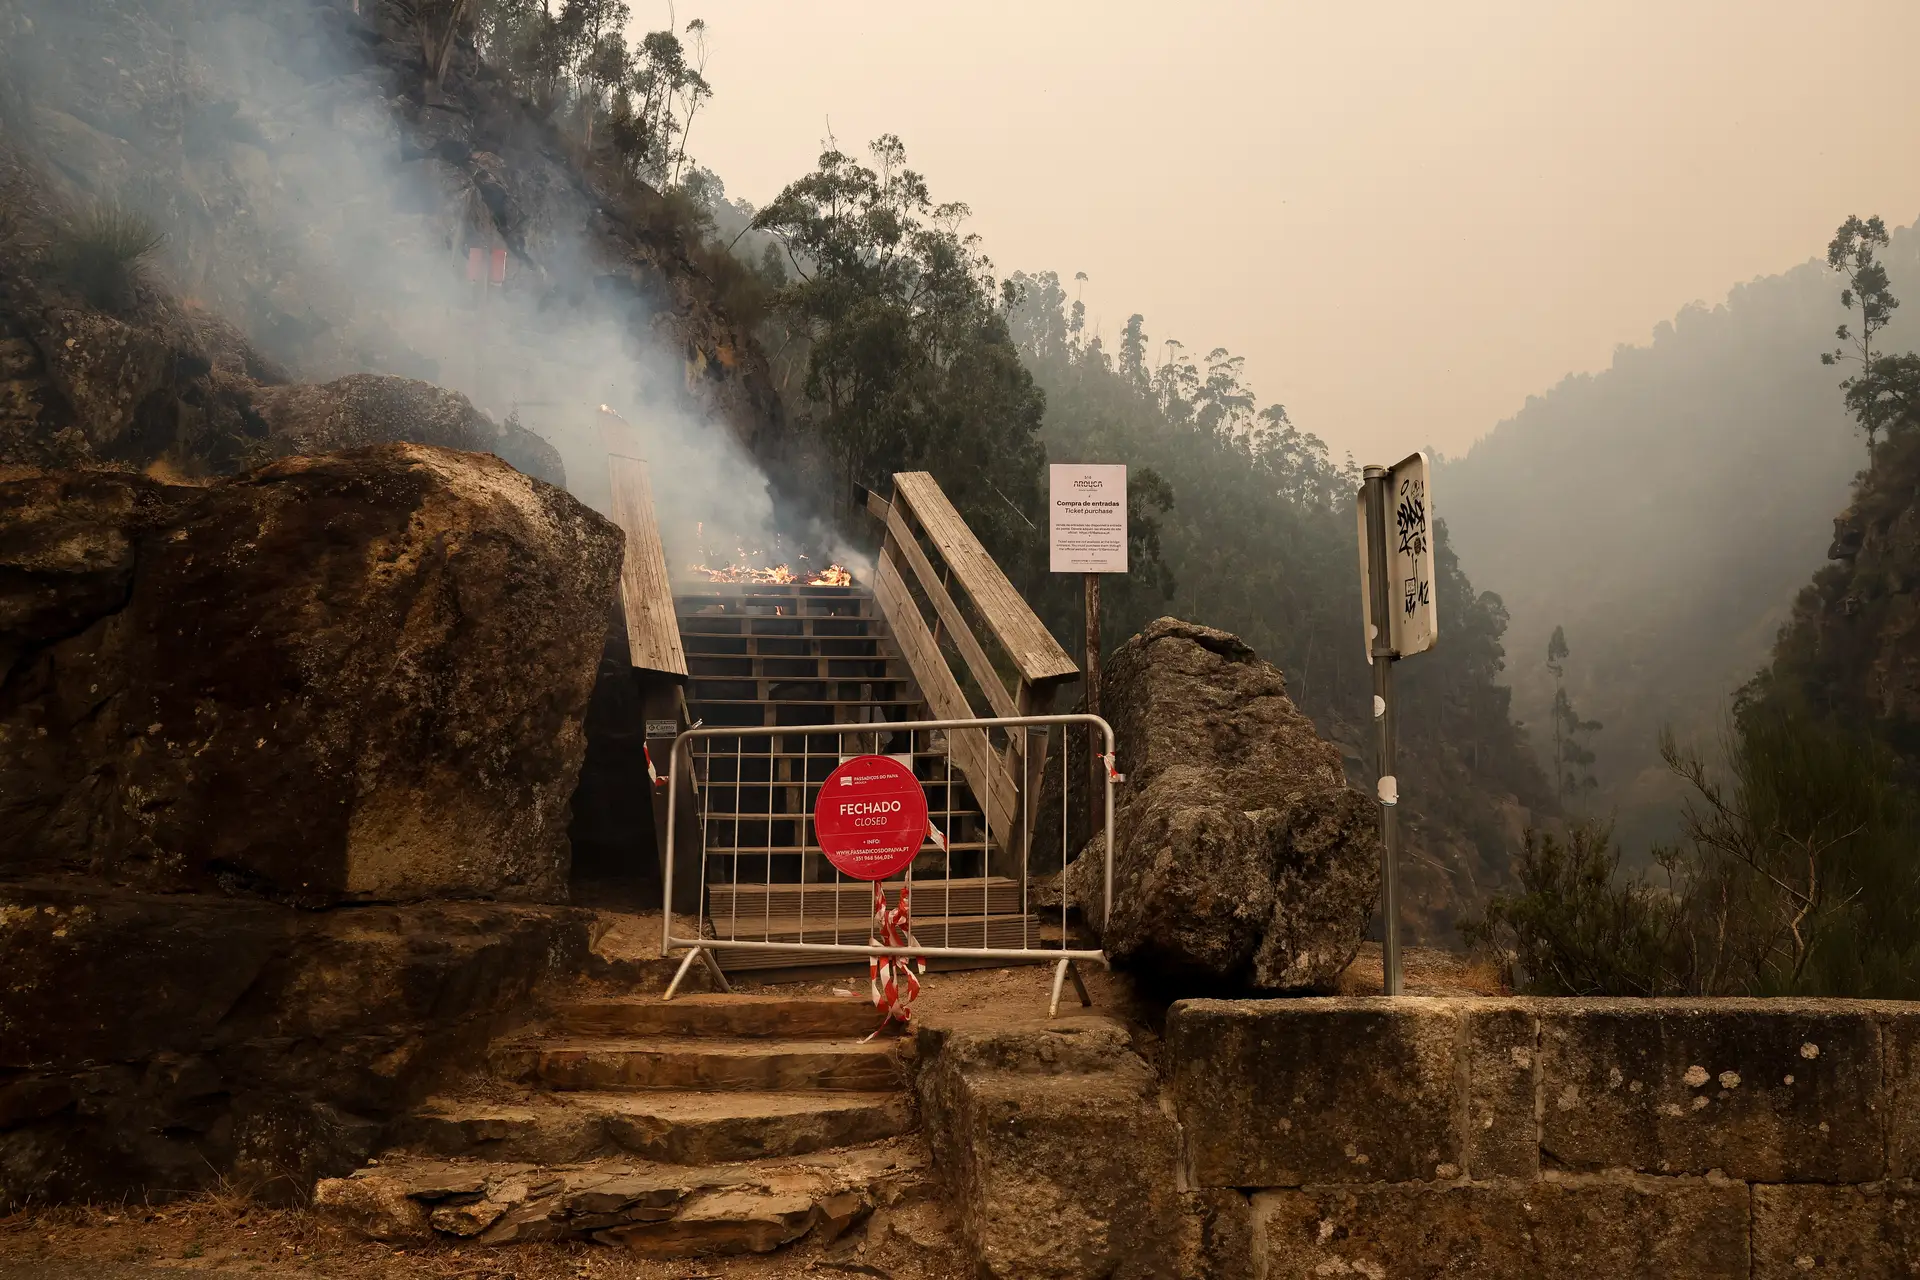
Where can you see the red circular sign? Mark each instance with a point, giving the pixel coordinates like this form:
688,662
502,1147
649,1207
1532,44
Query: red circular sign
871,817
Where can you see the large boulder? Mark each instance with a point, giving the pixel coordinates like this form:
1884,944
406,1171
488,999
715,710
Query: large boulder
1242,858
358,676
368,408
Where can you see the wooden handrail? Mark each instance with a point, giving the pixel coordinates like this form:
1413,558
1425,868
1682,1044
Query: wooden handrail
999,781
1036,655
646,593
962,635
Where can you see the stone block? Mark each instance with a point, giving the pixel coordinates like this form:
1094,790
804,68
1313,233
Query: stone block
1900,1052
1285,1092
1073,1177
1763,1090
1867,1232
1056,1152
1607,1227
1502,1080
376,1207
1226,1220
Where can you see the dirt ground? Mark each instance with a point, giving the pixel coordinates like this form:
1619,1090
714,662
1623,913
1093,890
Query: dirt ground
228,1235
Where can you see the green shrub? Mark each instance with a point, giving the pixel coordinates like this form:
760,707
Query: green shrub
100,254
1795,875
1576,927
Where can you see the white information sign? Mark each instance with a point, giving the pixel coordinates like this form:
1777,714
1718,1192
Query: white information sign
1087,521
1411,605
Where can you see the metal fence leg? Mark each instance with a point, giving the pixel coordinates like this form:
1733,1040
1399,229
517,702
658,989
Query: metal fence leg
685,965
1059,981
1080,988
713,967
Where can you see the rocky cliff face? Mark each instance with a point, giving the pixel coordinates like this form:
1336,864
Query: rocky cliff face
323,206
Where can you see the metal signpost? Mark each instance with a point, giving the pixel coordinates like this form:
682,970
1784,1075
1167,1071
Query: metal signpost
1087,535
1395,511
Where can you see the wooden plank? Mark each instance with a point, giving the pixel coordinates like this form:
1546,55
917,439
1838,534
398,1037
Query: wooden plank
1035,653
653,631
783,626
969,747
956,624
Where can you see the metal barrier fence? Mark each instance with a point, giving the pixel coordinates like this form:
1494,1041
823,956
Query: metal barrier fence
768,888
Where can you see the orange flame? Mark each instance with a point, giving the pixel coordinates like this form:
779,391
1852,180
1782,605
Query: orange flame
779,575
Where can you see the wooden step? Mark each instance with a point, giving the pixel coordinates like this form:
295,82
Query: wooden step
864,648
738,1017
667,1125
961,896
718,624
747,592
940,931
880,691
788,715
700,609
749,849
746,666
719,749
854,700
754,680
586,1062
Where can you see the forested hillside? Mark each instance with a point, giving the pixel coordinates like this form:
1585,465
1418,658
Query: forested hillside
1664,512
1254,529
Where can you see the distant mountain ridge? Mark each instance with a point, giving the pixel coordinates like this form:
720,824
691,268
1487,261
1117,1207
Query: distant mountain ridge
1666,511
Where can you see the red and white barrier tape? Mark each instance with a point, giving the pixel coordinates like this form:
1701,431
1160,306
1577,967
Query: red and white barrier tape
652,776
1113,774
892,978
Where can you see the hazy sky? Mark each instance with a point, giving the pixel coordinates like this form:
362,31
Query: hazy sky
1407,216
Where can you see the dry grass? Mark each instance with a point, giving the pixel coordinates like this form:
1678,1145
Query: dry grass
1424,971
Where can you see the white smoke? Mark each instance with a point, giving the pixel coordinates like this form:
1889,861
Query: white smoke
299,205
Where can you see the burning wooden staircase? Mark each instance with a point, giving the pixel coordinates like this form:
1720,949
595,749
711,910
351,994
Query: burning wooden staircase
795,656
912,644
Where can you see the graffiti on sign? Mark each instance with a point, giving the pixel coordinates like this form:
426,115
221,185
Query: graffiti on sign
1409,555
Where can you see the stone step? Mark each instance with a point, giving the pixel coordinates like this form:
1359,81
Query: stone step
584,1062
738,1017
653,1210
664,1125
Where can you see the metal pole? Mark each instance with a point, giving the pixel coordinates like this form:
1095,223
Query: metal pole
1379,609
1094,765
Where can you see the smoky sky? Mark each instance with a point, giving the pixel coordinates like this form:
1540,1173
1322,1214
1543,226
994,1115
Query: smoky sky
1407,216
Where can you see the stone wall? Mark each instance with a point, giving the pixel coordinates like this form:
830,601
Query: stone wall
1572,1138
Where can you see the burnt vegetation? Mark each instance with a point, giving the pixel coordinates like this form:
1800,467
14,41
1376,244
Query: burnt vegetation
101,253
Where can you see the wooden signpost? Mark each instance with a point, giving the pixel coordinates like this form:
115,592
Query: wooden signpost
1087,535
1395,511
